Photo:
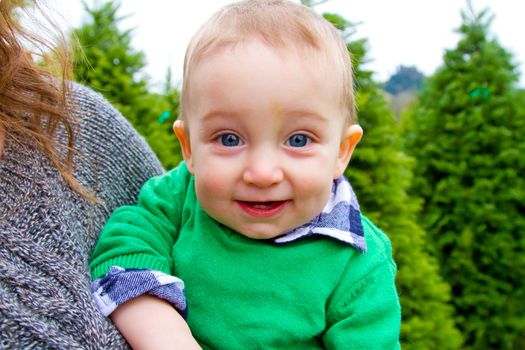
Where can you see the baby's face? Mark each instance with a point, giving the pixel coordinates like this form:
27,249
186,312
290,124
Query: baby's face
266,138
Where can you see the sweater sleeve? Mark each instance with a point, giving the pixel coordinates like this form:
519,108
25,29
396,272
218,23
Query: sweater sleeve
364,312
142,235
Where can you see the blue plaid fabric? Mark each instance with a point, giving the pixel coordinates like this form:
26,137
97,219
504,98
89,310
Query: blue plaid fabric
121,285
340,219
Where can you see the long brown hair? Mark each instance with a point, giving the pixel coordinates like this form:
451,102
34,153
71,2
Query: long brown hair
33,95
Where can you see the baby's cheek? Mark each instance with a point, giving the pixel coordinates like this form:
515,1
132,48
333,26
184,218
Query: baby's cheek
314,192
208,193
316,178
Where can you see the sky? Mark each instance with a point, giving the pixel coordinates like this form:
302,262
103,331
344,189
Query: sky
401,32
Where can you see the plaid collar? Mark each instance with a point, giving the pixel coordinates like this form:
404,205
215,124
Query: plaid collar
340,219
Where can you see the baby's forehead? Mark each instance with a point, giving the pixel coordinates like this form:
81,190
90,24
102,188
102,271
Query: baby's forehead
306,39
303,61
302,55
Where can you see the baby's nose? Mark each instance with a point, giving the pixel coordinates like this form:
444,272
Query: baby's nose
263,171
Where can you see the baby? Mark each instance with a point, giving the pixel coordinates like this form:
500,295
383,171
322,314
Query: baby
258,224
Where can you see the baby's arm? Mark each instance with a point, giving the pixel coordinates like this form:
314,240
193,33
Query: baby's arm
135,289
368,317
364,311
139,240
148,322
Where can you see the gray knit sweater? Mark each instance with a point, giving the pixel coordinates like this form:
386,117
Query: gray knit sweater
47,231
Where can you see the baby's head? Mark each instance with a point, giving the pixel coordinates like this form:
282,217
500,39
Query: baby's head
267,115
281,25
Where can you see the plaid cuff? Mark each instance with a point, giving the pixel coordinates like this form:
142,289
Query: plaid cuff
121,285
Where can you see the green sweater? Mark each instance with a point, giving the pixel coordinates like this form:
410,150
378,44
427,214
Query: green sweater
250,294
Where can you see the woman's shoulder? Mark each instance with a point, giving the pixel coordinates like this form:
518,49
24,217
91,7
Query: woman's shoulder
110,149
99,123
91,109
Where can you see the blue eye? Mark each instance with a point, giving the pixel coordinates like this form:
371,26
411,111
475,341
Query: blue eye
298,140
230,140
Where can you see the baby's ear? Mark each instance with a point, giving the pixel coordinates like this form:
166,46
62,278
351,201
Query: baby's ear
350,139
184,139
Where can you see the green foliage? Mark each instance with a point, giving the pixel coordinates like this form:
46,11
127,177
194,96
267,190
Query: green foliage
381,175
161,137
404,79
108,63
467,134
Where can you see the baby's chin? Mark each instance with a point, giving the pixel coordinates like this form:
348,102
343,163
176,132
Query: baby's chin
260,231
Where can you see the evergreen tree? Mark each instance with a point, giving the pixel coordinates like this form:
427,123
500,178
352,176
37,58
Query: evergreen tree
466,133
404,79
380,173
161,137
108,63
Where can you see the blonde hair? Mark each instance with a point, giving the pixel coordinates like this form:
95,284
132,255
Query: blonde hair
280,24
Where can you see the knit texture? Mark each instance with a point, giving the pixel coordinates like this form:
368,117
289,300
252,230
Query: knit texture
243,293
47,232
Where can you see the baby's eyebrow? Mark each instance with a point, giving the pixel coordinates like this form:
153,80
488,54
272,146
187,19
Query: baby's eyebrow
294,114
218,114
307,115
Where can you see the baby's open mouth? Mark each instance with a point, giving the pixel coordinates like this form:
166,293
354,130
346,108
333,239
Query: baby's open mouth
262,209
263,205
